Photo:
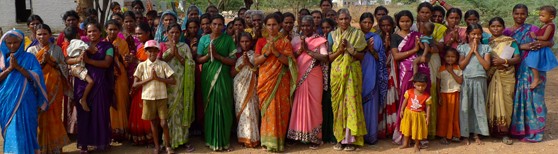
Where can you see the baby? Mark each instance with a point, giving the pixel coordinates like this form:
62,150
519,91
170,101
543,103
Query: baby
77,66
425,41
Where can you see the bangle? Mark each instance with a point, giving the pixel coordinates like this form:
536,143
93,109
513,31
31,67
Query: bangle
265,56
506,61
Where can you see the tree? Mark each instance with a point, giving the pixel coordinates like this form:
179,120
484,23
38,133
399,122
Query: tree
101,7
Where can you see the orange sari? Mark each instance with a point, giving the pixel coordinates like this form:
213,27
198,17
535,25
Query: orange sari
119,114
140,130
275,94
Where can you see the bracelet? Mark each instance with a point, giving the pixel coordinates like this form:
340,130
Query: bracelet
506,61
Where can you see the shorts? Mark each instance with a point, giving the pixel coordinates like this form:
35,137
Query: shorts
78,71
152,108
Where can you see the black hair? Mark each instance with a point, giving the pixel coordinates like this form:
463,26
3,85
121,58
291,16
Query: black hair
91,21
420,77
403,13
455,10
323,1
113,22
450,49
380,8
113,5
424,4
389,19
195,21
130,14
430,27
279,13
439,8
211,6
33,18
71,13
329,21
520,6
277,18
138,2
238,12
70,33
549,9
90,12
218,16
117,14
304,10
173,25
472,27
367,15
230,24
144,26
151,13
288,14
497,19
316,11
470,13
205,16
244,34
43,26
238,19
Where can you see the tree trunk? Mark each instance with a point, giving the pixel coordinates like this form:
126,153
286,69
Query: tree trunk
82,6
248,3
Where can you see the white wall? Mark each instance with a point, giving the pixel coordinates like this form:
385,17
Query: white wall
52,10
7,14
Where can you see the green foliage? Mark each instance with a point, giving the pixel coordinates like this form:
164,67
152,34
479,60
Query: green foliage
288,5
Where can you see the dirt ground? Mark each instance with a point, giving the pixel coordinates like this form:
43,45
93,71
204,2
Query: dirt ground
492,145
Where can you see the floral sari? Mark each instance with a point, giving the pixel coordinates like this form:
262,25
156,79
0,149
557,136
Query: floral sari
246,103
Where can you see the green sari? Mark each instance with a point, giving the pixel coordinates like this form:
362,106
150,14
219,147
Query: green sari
217,92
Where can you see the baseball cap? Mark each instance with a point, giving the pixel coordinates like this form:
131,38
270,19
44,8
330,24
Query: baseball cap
151,44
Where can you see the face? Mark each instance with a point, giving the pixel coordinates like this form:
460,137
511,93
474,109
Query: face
545,16
241,13
71,21
206,26
326,27
137,8
174,34
451,58
496,28
405,23
217,25
32,25
93,33
420,86
43,36
230,30
152,53
472,20
288,24
245,43
437,17
475,34
213,11
168,19
13,43
129,23
317,18
519,15
272,26
238,26
424,14
257,21
380,14
344,21
330,15
150,20
386,26
248,19
117,9
193,14
193,29
325,6
366,24
117,18
307,28
112,31
143,36
453,19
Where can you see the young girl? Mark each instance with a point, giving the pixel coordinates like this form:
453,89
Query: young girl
449,77
414,122
474,61
542,59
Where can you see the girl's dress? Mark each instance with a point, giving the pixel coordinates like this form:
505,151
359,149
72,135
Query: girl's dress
448,112
542,59
414,119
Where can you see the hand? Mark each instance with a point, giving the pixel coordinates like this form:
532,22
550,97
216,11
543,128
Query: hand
13,62
496,60
440,102
246,60
116,71
92,49
449,68
153,75
417,44
427,120
533,35
371,44
387,41
401,113
303,45
344,43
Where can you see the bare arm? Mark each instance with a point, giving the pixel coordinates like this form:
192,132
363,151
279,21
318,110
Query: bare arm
397,56
484,61
99,63
334,55
5,73
170,80
547,33
464,60
456,77
138,82
225,60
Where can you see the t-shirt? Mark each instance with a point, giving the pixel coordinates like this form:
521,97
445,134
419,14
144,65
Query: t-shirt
447,82
153,90
417,103
474,68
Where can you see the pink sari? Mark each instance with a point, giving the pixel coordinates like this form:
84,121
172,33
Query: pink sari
306,116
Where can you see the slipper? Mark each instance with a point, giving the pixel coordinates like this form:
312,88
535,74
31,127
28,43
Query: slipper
338,147
507,141
314,146
190,148
349,148
169,150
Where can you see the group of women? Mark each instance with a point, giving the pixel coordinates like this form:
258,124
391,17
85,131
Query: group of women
273,81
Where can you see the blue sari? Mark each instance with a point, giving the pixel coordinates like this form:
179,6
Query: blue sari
374,86
161,29
529,110
20,98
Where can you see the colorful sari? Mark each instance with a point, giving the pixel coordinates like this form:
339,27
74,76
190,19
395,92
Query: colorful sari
306,122
406,72
500,90
246,103
20,98
119,114
374,86
276,94
217,92
388,109
529,109
346,88
140,130
181,95
94,126
52,133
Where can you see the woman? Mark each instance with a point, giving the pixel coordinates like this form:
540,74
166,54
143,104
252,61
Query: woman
274,56
473,17
328,25
403,49
193,13
216,55
119,113
379,12
181,95
348,123
502,81
306,122
52,133
374,77
388,109
529,116
71,19
32,22
454,35
94,126
22,92
167,18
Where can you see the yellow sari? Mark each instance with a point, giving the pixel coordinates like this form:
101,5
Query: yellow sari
119,114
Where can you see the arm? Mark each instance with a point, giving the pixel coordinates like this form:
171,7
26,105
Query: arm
397,56
138,82
334,55
225,60
438,88
72,61
464,60
546,35
5,73
403,108
427,114
99,63
484,61
456,77
318,56
445,5
170,80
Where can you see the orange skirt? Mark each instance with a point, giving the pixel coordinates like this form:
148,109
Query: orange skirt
448,116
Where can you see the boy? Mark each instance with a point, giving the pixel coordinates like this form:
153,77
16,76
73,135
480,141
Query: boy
154,75
76,51
425,42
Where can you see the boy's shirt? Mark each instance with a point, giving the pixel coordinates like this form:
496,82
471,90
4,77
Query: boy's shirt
153,90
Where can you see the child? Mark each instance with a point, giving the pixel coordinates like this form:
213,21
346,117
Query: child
474,60
425,41
414,120
76,51
154,75
449,79
542,59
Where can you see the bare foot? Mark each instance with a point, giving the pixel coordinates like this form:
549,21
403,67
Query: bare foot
417,148
534,84
478,141
230,149
403,146
444,141
468,141
84,105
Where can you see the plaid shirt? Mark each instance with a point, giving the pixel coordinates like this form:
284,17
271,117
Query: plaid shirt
153,90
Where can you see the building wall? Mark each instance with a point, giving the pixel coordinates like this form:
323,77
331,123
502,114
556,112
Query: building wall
7,14
52,11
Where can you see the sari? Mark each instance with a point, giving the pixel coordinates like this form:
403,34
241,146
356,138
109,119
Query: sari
140,130
388,109
405,74
306,122
161,29
276,94
327,111
500,90
180,95
217,92
374,85
529,109
52,133
246,103
20,98
346,84
434,65
94,126
119,113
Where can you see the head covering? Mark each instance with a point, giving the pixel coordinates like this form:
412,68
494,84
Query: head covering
160,33
184,26
151,44
6,51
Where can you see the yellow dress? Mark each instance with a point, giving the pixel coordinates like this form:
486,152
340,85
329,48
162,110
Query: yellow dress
413,123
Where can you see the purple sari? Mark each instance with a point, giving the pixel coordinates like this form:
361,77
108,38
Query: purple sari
94,126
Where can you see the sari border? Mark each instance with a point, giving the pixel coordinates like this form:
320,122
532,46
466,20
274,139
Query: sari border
41,88
15,110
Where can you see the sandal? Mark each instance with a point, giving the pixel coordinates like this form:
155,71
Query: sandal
314,146
169,150
338,147
349,148
190,148
444,141
156,151
507,141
